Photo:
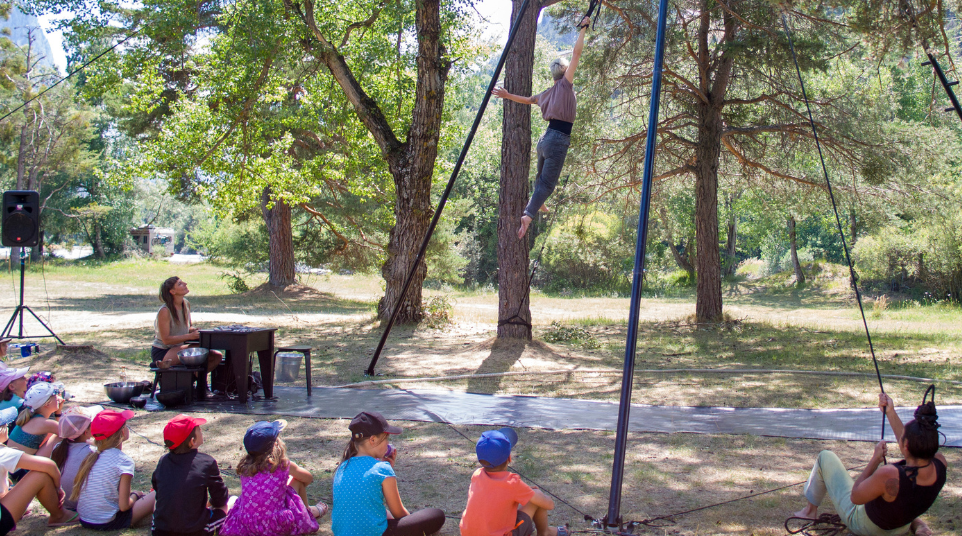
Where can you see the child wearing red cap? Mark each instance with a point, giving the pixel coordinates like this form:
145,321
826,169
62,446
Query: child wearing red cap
183,481
102,486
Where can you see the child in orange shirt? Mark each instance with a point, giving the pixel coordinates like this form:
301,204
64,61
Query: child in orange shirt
499,503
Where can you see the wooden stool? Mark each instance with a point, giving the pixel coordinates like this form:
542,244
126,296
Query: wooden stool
303,349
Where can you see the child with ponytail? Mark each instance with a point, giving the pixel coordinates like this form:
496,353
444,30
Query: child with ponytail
273,497
365,483
102,485
885,500
74,448
34,424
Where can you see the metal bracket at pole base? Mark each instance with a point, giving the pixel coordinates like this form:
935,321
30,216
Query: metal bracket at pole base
619,528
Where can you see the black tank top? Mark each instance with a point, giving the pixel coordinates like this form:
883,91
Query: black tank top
911,502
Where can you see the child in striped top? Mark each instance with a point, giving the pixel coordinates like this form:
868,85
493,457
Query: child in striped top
102,485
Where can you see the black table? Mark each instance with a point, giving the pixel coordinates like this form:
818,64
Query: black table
238,346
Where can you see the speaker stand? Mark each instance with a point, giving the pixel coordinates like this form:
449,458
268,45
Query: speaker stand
17,316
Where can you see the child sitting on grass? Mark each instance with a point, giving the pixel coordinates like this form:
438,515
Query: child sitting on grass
42,481
273,497
183,480
365,483
34,424
69,454
102,486
499,503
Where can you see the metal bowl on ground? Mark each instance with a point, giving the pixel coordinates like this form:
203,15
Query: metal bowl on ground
138,401
193,357
172,398
122,392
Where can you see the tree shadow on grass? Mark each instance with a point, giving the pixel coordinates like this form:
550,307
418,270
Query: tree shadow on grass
134,303
504,354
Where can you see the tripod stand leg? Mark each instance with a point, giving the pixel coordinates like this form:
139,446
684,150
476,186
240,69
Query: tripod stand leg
50,331
7,331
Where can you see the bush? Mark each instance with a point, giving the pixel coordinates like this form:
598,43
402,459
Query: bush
921,255
590,252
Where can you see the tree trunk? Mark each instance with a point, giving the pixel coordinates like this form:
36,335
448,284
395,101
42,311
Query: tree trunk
280,240
793,245
708,303
853,226
99,251
731,263
514,313
683,261
411,163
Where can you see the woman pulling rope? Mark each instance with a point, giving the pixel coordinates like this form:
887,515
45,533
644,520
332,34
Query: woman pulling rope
557,105
886,500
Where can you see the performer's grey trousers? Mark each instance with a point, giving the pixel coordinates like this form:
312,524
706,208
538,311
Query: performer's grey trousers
552,150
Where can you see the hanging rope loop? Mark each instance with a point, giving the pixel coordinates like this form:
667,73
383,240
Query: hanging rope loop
594,8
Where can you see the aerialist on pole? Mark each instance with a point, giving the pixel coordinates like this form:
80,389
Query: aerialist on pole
557,105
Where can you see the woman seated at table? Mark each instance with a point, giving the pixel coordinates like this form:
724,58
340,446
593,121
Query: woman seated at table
172,329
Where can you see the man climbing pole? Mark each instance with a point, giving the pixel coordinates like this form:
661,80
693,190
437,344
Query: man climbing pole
557,105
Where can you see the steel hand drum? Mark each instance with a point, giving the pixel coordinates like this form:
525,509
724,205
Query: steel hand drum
193,357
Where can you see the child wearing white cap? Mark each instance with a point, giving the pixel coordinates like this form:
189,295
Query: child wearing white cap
41,482
34,425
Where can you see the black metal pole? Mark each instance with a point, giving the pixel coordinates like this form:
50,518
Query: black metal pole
447,189
613,517
945,83
23,255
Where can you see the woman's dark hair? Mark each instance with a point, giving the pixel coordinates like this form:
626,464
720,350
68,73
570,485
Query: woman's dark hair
922,433
59,454
168,298
7,394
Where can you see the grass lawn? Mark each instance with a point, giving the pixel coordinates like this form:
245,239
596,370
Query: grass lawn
112,307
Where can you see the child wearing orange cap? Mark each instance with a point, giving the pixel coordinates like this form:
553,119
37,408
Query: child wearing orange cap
102,486
183,481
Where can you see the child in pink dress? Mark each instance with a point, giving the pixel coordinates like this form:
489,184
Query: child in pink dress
273,497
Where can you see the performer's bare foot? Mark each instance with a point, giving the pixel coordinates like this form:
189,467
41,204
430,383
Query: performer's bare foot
525,222
809,512
919,528
544,208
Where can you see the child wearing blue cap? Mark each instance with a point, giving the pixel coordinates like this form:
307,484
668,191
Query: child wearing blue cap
366,498
499,503
273,497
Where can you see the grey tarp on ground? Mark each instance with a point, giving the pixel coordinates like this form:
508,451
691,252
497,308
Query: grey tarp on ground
571,414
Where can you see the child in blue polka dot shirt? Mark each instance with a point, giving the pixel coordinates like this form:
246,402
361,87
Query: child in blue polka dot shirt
366,498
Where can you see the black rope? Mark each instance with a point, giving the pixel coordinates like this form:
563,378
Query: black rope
594,8
71,73
447,190
838,220
825,525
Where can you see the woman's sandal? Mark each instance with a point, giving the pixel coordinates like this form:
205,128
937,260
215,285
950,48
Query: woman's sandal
74,519
563,530
319,510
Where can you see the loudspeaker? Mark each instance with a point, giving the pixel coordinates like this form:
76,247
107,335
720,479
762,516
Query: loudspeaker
21,218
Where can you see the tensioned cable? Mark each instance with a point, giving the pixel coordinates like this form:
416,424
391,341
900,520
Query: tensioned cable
71,73
838,220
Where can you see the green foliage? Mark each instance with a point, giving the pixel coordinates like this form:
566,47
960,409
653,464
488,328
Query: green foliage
558,332
587,252
242,244
235,282
437,312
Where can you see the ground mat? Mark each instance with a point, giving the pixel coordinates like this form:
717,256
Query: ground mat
564,413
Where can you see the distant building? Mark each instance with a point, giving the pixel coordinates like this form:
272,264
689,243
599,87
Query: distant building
154,239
